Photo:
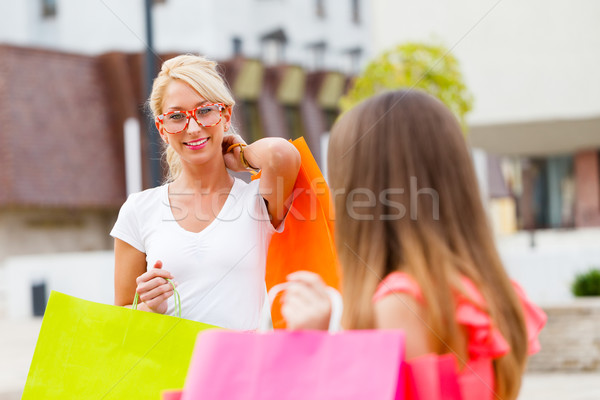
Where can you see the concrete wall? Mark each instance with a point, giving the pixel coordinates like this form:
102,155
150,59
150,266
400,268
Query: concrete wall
39,231
571,339
85,275
547,269
527,60
185,25
35,246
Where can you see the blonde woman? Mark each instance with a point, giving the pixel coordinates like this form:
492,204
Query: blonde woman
415,247
204,229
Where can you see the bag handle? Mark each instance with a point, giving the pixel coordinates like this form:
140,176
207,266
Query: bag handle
335,297
177,299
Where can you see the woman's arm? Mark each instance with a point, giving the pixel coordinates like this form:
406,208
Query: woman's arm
402,311
279,162
131,276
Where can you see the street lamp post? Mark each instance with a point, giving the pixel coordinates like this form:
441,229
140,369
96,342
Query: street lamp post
151,132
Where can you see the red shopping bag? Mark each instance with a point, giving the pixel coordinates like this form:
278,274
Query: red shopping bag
297,365
307,240
432,377
476,380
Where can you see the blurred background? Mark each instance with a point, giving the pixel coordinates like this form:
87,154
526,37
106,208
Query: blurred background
75,137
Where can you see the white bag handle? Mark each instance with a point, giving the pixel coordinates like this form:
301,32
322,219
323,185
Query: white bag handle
335,297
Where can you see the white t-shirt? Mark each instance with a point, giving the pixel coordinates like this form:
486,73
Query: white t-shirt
220,271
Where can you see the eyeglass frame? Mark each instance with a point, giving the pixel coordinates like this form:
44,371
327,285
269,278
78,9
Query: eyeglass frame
191,114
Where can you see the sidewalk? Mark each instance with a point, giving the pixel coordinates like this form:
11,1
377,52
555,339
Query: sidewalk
16,350
555,386
19,338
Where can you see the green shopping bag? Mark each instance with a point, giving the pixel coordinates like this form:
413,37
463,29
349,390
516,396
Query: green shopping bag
87,350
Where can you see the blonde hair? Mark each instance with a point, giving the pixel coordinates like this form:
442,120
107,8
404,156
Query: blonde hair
202,75
399,140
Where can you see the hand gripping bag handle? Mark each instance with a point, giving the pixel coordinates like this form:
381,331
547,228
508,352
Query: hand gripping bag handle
337,307
175,292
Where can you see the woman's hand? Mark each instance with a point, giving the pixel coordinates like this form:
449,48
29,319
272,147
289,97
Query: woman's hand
278,162
154,290
232,158
305,303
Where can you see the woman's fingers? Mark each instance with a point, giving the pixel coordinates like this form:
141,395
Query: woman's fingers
229,140
153,289
316,302
305,302
308,278
153,273
232,157
231,161
150,284
307,284
299,314
306,293
155,298
156,303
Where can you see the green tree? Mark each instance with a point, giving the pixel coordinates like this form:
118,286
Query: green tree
431,68
587,283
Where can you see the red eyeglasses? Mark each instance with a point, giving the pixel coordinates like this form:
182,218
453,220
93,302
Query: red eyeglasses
206,115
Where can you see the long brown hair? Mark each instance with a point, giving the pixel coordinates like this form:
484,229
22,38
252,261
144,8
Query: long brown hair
407,199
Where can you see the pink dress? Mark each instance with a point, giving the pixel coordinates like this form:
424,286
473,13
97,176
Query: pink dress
485,342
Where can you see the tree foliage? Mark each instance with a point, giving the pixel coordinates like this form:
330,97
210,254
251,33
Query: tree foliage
414,65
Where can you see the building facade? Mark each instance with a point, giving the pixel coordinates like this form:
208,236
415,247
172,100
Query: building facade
316,35
537,103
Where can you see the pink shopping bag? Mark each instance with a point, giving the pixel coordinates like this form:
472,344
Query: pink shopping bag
297,365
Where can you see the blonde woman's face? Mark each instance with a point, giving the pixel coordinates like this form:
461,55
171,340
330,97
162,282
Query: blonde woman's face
196,144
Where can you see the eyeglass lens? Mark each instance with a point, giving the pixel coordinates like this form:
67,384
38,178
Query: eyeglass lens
205,116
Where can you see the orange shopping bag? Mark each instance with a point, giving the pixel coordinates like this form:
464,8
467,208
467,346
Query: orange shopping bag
307,240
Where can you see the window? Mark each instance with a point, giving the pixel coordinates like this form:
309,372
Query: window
293,121
318,50
247,88
353,60
48,8
330,118
273,47
252,123
237,46
548,198
273,52
290,92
